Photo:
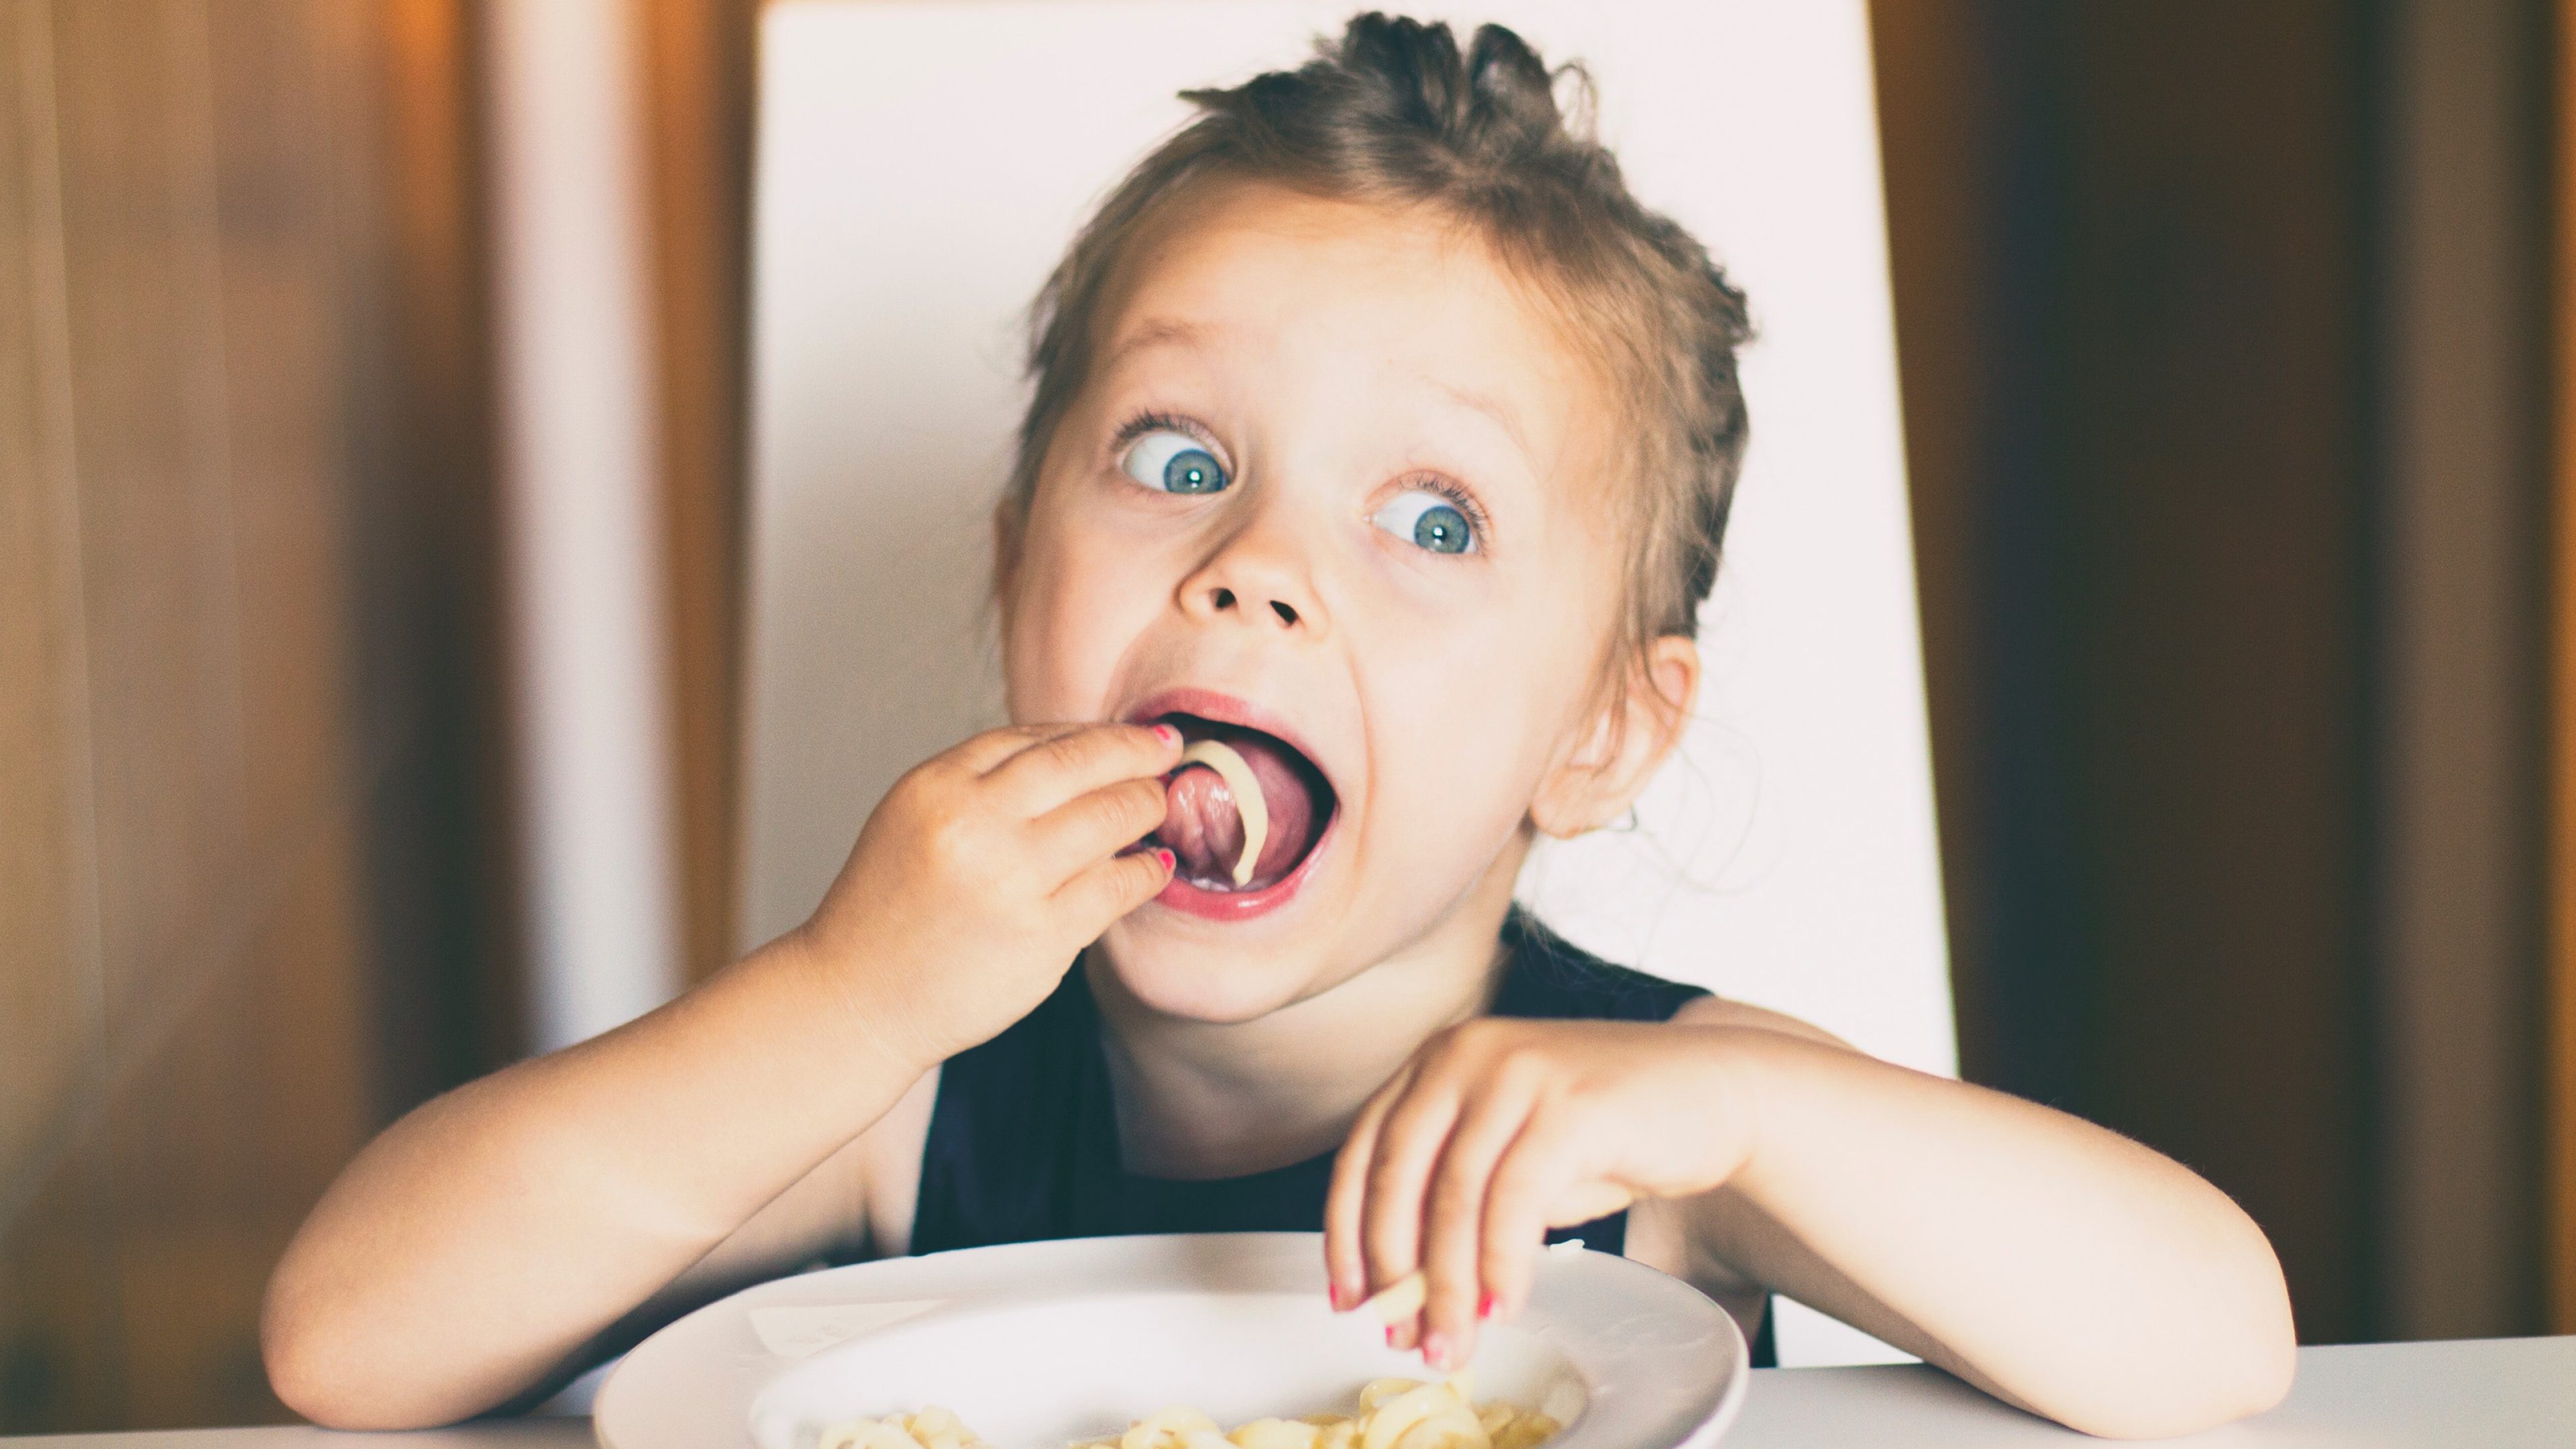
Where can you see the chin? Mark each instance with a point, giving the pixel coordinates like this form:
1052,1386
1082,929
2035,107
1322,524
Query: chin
1185,970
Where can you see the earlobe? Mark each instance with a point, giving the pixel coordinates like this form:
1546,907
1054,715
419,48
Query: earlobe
1631,736
1567,804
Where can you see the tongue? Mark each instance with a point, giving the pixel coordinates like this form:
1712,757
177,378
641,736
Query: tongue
1204,828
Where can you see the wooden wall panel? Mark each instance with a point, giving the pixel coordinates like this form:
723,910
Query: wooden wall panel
62,1352
244,610
286,383
48,1018
146,380
2559,1019
1937,101
2457,769
698,91
2131,280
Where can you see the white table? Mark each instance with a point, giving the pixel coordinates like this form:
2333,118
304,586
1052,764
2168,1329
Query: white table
2515,1393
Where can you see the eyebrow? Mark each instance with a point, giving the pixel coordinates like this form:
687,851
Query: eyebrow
1161,332
1502,414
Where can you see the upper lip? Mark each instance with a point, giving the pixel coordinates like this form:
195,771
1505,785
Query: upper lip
1208,704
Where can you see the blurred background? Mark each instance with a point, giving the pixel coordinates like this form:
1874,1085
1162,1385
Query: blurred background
2233,343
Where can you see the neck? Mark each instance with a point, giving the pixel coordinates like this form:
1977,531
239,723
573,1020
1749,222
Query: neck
1203,1099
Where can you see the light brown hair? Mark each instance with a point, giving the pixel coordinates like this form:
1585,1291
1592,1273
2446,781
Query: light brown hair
1392,113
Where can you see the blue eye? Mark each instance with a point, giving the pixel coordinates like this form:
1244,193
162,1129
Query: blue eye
1429,521
1171,462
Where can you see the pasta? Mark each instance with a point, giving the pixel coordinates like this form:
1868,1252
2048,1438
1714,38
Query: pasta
1249,802
1393,1414
932,1428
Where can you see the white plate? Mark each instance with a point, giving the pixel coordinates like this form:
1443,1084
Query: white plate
1036,1344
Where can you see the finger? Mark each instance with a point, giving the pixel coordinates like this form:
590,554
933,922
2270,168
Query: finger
1065,767
1408,1147
1531,1176
1453,1246
1108,820
1114,887
1345,1266
992,747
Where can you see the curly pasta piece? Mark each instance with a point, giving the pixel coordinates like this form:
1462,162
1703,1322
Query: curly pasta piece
1249,802
931,1428
1393,1414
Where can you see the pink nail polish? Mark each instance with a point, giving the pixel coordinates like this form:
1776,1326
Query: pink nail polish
1485,1306
1435,1350
1333,1294
1171,862
1171,734
1390,1335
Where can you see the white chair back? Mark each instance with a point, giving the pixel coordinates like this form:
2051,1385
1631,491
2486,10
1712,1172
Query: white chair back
920,167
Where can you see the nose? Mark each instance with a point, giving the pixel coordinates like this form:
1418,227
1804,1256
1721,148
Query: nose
1259,576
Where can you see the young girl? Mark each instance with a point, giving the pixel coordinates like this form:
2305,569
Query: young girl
1381,437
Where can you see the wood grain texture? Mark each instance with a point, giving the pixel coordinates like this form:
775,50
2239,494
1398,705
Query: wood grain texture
698,85
2131,281
48,1017
1937,122
244,544
2560,1020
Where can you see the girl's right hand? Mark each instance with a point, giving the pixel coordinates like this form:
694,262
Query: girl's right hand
983,874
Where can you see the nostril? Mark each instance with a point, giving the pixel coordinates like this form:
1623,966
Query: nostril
1286,614
1223,598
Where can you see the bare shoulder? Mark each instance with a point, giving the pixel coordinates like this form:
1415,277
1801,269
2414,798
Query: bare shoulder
1718,1011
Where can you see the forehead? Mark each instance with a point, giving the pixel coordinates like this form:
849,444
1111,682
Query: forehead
1405,298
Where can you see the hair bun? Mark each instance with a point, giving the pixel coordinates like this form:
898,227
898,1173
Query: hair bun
1515,93
1495,102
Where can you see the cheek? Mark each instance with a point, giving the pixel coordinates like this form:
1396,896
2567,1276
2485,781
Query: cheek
1470,710
1071,614
1461,723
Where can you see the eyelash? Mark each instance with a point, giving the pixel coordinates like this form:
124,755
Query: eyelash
1153,420
1459,498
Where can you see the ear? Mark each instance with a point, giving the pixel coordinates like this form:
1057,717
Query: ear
1620,747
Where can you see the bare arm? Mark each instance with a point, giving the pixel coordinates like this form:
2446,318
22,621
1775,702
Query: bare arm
857,1204
2057,1265
488,1241
479,1245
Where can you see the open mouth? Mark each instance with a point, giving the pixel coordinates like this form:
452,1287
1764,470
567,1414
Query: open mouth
1208,827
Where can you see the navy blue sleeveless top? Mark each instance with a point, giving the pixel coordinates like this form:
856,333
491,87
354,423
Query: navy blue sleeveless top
1023,1141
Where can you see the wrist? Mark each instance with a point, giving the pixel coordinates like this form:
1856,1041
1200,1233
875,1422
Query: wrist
839,993
1783,1086
1751,1072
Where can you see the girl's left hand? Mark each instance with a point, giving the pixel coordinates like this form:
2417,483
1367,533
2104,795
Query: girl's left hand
1499,1129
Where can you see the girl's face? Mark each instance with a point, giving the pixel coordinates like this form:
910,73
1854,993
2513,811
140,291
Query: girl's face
1332,493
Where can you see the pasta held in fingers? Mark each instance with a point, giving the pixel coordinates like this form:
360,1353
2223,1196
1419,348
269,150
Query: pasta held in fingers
1230,767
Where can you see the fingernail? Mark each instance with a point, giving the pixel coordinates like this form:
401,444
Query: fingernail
1170,861
1333,1293
1390,1335
1485,1306
1171,734
1435,1349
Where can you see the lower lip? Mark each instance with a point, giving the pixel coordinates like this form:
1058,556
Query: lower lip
1210,905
